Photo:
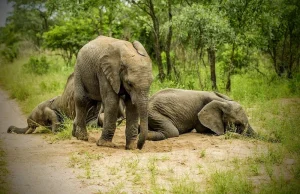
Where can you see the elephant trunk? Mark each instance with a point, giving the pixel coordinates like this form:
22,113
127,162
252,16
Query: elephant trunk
250,132
143,114
13,129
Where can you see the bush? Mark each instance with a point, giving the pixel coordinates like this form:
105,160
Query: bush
10,53
37,66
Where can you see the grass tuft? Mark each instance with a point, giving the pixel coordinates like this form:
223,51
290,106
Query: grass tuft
229,182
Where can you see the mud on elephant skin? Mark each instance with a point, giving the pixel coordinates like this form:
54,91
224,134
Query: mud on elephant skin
175,111
50,113
106,69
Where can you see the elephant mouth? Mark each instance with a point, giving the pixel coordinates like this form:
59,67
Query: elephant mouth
234,127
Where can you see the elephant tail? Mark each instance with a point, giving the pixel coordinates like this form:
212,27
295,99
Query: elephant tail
13,129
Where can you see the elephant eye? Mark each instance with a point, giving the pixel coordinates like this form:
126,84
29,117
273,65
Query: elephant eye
129,84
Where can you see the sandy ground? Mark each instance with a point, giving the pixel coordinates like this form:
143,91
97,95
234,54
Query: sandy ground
37,165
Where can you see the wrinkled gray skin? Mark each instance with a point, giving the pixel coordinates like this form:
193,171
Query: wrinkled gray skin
106,69
121,113
50,113
174,111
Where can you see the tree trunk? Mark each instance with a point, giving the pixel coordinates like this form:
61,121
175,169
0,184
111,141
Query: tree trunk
212,62
157,41
230,69
100,30
169,40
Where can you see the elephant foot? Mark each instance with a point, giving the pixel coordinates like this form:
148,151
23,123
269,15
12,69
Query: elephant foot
74,130
82,136
79,133
105,143
131,145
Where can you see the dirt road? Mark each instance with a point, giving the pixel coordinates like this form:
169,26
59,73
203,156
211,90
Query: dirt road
34,165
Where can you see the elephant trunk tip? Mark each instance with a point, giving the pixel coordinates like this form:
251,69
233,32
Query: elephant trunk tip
142,139
141,143
10,129
13,129
250,132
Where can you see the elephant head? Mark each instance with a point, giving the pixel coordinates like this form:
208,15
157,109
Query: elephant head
128,69
220,115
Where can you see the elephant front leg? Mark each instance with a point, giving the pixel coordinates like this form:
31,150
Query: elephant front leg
53,118
161,128
131,131
110,119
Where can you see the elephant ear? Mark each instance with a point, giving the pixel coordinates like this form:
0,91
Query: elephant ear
110,65
223,96
139,48
211,116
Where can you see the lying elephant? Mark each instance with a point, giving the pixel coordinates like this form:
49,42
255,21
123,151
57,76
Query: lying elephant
50,113
176,111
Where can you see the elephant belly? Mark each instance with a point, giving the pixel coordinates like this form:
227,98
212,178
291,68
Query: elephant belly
184,124
92,90
184,129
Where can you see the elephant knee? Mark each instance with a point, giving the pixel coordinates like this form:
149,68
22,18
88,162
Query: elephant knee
170,134
155,136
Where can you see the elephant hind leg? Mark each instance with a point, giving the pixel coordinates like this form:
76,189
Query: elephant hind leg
79,126
161,129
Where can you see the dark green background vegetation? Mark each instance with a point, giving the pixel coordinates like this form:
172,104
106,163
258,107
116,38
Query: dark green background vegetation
248,49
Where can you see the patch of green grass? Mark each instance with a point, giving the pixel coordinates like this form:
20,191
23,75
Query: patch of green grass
132,165
280,122
280,186
83,161
185,186
229,182
202,154
64,133
30,89
117,189
153,169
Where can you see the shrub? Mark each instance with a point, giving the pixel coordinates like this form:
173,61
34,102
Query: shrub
37,66
10,53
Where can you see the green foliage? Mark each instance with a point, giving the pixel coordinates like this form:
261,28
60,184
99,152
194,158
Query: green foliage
229,182
38,66
202,26
9,40
280,28
70,36
31,18
31,89
10,53
185,186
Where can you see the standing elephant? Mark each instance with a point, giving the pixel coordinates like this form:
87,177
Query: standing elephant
50,113
106,69
175,111
121,113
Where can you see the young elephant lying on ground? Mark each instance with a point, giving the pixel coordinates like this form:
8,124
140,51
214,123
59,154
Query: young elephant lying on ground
50,113
176,111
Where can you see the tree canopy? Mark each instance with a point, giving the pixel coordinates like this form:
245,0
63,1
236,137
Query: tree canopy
180,36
